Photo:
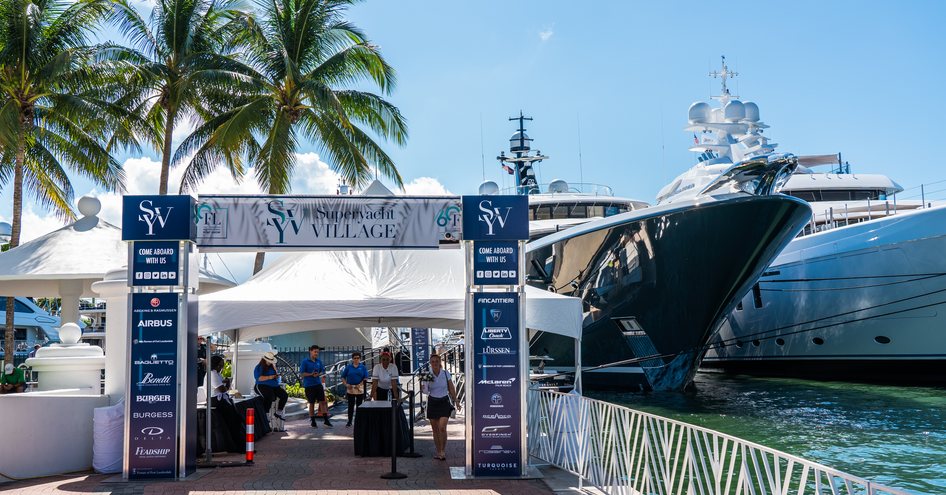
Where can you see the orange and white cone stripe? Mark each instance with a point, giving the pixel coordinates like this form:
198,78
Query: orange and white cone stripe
250,437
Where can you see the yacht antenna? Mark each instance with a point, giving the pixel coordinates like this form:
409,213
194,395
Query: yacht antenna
724,73
581,171
482,149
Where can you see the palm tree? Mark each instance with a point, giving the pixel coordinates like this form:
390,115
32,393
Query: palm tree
180,69
51,109
304,56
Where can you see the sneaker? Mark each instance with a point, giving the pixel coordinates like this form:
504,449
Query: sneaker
347,425
314,424
328,423
279,414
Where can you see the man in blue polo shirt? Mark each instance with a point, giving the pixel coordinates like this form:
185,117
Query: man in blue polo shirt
313,378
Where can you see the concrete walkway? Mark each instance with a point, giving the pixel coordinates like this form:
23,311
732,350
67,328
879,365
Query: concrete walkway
306,460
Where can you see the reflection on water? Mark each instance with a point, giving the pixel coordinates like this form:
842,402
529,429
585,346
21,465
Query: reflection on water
891,435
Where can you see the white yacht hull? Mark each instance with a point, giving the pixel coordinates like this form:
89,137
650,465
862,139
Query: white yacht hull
862,302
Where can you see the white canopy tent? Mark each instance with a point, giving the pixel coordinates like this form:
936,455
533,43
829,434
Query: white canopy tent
347,289
66,262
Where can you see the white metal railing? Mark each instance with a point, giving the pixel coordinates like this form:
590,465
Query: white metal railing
622,451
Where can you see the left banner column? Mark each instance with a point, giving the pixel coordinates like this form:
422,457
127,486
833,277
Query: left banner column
161,379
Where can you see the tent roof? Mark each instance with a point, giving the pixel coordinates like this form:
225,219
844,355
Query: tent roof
346,289
76,255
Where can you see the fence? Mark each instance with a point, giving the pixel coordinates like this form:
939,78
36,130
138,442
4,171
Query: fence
625,452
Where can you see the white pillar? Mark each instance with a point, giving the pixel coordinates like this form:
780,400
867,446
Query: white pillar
70,291
114,289
247,356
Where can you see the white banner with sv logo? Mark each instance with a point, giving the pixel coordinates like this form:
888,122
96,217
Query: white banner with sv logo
235,223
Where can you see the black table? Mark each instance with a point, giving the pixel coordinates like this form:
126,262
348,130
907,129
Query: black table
221,440
373,430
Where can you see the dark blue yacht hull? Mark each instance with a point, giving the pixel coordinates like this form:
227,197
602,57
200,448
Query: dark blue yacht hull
654,288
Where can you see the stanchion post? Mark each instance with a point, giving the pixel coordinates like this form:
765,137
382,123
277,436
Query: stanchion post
250,436
411,453
393,475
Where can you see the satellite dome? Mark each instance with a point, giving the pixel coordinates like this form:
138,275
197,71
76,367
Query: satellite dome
558,186
752,111
489,187
520,142
699,112
734,111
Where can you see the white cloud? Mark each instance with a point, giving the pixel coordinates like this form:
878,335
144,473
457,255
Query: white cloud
546,34
426,186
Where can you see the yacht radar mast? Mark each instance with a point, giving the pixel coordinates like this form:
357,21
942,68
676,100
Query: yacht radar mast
723,74
520,144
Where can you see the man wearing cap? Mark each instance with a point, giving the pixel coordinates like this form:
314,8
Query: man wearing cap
268,384
313,379
12,381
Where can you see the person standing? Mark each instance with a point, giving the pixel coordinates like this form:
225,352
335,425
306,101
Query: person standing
221,402
440,391
269,384
354,376
35,348
313,380
384,379
12,380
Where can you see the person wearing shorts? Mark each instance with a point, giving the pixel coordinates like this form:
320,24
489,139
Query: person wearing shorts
440,391
313,380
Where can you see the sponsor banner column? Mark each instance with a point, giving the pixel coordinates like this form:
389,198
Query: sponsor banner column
160,413
420,347
153,396
497,379
497,352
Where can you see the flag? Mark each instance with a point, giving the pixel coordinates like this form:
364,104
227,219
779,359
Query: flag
508,169
695,139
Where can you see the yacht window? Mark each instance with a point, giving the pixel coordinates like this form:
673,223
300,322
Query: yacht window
817,341
756,296
579,211
864,195
543,212
18,307
804,195
882,339
739,306
835,195
560,211
780,341
595,211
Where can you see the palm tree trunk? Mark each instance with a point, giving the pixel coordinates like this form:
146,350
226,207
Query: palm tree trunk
9,334
166,152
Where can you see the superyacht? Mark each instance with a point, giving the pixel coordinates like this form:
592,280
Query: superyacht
653,280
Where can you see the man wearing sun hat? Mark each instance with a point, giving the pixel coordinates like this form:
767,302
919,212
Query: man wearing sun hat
269,384
12,380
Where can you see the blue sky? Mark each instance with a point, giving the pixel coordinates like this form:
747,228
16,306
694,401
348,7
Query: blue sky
863,79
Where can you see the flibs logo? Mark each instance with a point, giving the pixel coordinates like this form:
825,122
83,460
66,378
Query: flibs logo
493,216
153,215
282,218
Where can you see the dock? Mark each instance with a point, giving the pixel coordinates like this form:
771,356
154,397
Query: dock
305,460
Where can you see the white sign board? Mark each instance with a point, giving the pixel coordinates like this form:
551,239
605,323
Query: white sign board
232,223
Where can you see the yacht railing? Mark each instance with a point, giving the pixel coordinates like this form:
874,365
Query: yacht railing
585,188
622,451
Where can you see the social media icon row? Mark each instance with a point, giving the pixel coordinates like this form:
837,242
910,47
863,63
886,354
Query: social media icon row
496,273
155,275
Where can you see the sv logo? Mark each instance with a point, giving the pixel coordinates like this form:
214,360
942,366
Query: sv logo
283,217
493,216
152,215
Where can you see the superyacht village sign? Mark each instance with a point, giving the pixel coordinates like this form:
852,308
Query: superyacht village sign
164,233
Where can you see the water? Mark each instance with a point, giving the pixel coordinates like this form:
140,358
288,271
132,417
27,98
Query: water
891,435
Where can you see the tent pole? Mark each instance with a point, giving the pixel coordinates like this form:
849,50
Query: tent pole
236,359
